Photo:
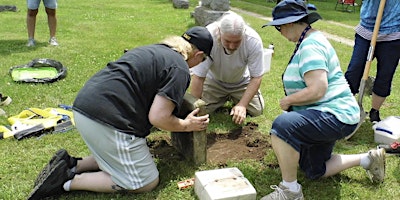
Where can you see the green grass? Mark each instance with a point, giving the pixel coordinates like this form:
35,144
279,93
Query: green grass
94,32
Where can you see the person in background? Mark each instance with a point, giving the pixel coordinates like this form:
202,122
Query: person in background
319,108
115,111
33,8
386,52
234,70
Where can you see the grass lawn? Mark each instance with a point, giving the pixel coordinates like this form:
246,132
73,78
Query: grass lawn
94,32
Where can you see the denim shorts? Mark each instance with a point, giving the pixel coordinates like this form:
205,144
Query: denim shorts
34,4
313,134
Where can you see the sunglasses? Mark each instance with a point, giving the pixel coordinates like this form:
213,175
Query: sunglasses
278,28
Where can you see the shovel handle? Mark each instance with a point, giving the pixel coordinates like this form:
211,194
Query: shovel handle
373,39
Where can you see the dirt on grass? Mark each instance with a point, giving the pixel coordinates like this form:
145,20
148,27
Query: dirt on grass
237,145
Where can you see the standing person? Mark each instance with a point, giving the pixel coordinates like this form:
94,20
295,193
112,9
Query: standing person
33,8
234,71
319,108
115,111
387,51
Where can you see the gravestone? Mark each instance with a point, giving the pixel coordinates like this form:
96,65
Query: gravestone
8,8
209,11
184,4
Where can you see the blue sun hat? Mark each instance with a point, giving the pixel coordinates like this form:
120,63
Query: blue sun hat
289,11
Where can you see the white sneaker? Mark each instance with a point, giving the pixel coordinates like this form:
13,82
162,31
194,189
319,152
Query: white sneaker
283,193
376,170
53,41
31,42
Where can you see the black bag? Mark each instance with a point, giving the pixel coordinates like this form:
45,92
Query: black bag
39,71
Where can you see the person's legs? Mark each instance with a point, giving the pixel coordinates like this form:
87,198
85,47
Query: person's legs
31,26
51,7
33,8
304,138
373,162
31,23
102,182
288,158
338,163
387,57
214,95
256,105
52,21
125,161
86,164
356,66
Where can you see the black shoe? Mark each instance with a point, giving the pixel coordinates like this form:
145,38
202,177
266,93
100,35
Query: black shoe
61,154
393,148
52,183
374,115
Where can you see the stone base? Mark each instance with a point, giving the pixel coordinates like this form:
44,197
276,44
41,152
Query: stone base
223,184
204,16
192,145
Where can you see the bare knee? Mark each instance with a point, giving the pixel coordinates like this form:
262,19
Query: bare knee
149,187
51,12
32,13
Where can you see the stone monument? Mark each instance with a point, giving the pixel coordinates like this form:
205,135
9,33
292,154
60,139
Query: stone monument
11,8
209,10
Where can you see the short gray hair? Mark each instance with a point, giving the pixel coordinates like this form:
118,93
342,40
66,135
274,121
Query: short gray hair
231,23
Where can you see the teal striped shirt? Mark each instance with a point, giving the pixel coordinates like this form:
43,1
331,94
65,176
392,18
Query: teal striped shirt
315,52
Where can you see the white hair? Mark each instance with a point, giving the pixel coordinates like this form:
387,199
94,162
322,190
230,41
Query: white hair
231,23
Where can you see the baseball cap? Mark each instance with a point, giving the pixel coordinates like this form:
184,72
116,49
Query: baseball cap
200,37
289,11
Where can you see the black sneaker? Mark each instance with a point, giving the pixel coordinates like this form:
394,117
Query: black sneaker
61,154
374,115
52,183
393,148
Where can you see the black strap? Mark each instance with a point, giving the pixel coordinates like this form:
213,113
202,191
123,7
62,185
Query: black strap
303,34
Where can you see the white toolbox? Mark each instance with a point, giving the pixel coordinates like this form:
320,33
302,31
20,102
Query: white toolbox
387,131
223,184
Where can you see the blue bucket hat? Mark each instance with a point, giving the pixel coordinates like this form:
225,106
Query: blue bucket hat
289,11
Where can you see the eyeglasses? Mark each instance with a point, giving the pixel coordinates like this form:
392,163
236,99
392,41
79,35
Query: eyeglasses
278,28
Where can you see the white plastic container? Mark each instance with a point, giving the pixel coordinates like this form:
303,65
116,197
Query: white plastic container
267,58
387,131
223,184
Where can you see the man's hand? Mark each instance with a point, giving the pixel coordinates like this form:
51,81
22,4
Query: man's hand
238,114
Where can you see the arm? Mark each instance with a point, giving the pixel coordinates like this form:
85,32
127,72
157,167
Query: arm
317,84
161,116
239,110
197,86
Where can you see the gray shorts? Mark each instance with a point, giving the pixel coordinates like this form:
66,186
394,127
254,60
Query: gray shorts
125,157
34,4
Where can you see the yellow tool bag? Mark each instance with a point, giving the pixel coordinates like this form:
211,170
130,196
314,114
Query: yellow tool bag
35,122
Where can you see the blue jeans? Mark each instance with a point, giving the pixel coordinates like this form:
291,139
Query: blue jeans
387,55
313,134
